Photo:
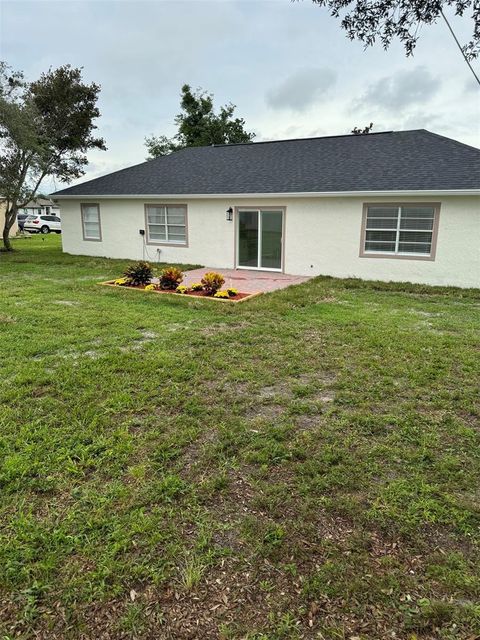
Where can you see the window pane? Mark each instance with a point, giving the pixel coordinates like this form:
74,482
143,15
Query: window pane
271,251
176,229
381,223
176,215
175,237
383,212
416,236
416,223
382,247
404,247
389,236
92,233
156,215
156,232
248,238
418,212
90,213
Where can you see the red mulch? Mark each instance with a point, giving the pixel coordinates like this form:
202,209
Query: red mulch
198,294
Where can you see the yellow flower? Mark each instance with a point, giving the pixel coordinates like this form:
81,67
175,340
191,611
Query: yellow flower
121,281
181,289
221,294
232,292
150,287
197,286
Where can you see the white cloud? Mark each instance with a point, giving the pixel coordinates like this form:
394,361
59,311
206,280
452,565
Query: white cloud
395,92
302,89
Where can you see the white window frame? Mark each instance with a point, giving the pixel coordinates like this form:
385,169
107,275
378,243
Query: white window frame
86,238
397,254
167,242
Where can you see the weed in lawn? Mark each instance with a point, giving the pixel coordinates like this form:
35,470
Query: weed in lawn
191,572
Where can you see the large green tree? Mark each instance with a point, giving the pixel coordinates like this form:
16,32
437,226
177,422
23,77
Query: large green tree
199,125
46,128
384,20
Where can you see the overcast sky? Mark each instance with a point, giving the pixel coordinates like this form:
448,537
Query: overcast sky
287,66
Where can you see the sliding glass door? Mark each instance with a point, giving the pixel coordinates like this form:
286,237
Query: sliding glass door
260,239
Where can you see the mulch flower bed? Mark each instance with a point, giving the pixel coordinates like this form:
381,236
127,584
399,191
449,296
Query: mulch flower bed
239,297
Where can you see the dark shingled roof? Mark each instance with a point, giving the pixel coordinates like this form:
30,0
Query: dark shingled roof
390,161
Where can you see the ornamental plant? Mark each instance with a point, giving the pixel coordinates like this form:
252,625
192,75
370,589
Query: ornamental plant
232,292
221,294
197,286
170,278
212,282
121,282
150,287
181,289
139,273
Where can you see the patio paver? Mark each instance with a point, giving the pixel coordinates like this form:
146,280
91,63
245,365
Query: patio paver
247,281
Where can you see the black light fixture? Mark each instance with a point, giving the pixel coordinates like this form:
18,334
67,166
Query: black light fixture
229,214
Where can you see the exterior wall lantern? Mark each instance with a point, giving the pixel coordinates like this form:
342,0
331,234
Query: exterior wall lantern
229,214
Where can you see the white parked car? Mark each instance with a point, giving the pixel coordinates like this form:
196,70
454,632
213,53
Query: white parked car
42,224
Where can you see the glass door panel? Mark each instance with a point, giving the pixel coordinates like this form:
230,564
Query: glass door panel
271,244
248,238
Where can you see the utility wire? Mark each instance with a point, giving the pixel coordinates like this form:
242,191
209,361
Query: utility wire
460,47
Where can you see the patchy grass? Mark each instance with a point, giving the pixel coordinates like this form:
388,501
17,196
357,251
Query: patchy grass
305,465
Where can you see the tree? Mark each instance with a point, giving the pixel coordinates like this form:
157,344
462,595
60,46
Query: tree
199,125
367,20
46,128
358,131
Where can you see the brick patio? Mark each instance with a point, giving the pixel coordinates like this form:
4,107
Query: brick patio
247,281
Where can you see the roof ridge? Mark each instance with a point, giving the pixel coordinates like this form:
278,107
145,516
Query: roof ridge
339,135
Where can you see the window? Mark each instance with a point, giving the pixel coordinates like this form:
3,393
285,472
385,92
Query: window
166,223
91,222
400,230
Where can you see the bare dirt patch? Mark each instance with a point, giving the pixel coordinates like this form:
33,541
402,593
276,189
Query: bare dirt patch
265,411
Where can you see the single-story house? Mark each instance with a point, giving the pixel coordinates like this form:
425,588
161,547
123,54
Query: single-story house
41,206
400,206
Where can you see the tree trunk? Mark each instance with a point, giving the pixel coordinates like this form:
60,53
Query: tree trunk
10,217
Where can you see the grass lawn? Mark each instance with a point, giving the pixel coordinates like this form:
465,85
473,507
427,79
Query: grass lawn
304,465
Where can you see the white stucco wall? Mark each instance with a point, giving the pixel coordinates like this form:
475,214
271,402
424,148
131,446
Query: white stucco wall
322,236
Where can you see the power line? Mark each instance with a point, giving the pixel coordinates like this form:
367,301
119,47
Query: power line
460,47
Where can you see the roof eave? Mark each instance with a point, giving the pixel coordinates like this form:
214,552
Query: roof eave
284,194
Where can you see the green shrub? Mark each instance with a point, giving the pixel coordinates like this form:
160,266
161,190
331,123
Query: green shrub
138,273
212,282
170,278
